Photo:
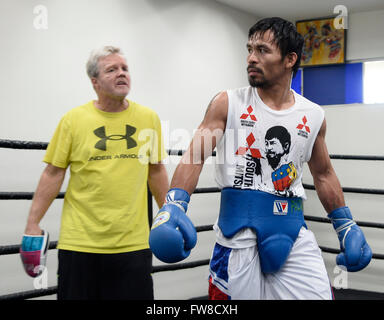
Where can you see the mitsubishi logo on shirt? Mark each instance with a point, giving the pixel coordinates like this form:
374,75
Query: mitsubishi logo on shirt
249,114
254,151
102,144
303,125
248,119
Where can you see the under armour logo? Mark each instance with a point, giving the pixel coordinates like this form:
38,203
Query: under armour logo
102,144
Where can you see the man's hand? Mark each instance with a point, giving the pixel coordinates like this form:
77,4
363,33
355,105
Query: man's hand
173,234
33,253
355,251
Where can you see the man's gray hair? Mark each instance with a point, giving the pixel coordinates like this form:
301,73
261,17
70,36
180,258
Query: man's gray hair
92,64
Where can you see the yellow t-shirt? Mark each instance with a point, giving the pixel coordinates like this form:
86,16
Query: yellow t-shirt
105,205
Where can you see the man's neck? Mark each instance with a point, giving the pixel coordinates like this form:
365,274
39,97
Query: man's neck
108,104
277,97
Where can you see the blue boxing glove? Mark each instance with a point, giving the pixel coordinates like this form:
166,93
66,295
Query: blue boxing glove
355,251
178,196
173,234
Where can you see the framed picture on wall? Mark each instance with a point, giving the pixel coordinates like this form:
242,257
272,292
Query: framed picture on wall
324,44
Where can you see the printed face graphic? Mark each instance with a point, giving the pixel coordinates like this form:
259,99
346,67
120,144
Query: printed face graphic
277,144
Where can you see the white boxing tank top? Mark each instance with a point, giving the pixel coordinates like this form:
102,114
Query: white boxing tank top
264,149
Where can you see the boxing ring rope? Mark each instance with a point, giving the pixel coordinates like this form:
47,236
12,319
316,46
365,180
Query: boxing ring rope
31,145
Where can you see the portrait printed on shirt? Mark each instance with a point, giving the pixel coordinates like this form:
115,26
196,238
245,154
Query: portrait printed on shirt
266,164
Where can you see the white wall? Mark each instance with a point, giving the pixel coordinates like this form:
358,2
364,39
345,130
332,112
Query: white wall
365,35
180,54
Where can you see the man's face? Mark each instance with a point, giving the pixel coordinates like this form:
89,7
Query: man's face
265,64
113,80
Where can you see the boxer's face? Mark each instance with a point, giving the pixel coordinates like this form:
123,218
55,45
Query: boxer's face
265,64
113,79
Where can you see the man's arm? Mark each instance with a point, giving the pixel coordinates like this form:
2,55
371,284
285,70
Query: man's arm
355,251
47,190
173,234
210,131
324,177
158,182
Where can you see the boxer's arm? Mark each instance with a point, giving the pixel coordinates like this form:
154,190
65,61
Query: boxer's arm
47,190
355,252
324,177
203,143
158,182
173,234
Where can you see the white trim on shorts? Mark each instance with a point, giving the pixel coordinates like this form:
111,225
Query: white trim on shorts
303,276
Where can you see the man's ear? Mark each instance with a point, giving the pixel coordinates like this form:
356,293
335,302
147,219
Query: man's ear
290,60
94,82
